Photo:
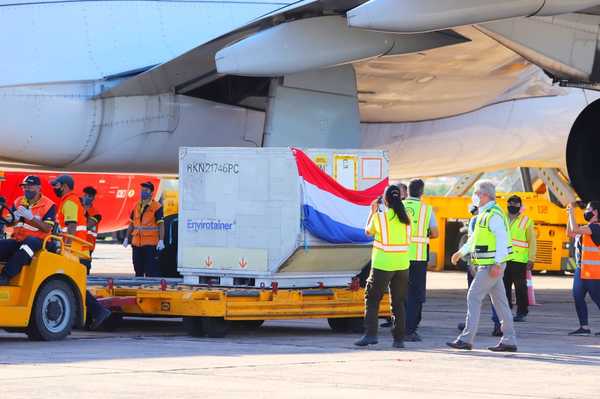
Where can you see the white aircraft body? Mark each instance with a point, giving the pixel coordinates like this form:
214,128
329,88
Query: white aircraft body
447,86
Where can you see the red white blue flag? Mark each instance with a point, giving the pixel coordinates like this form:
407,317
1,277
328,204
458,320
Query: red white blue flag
333,212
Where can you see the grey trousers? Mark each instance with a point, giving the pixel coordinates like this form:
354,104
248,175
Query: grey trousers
484,284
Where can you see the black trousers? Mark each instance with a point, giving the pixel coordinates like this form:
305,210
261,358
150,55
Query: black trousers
378,283
145,261
516,274
18,254
417,293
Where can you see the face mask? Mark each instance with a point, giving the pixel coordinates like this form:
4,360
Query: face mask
589,215
86,201
145,195
58,192
475,200
29,194
513,210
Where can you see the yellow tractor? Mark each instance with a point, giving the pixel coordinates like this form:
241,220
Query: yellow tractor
47,298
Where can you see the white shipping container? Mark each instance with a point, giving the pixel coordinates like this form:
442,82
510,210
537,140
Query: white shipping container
240,216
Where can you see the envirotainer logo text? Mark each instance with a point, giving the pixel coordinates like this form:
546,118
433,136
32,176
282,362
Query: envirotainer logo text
208,225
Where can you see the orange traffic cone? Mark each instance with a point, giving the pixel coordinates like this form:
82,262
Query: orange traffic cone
530,290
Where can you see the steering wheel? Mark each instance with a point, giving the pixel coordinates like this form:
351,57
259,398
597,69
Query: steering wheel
4,220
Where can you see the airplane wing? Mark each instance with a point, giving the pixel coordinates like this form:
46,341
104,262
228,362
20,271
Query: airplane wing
197,67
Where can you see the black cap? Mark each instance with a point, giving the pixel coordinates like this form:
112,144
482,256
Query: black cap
515,198
148,185
91,191
64,179
31,180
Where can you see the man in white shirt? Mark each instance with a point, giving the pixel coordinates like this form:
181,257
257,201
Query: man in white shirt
489,247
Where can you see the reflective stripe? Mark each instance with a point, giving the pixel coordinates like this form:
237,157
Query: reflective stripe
420,231
483,255
523,223
590,262
27,249
385,238
390,248
519,243
26,226
78,228
93,234
422,240
146,228
591,249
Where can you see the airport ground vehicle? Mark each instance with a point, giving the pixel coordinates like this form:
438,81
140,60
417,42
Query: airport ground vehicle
213,310
553,250
47,298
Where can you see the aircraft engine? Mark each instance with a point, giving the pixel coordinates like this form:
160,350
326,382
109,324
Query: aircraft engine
583,153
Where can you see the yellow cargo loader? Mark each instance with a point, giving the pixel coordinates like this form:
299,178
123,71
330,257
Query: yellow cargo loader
47,298
212,310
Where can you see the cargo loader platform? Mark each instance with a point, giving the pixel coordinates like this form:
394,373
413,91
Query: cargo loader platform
212,310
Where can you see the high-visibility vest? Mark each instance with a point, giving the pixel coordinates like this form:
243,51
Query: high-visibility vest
590,258
93,231
391,242
81,223
483,250
420,217
145,228
518,235
23,229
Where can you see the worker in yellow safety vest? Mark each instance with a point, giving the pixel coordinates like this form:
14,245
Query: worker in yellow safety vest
390,229
490,248
423,227
587,255
523,237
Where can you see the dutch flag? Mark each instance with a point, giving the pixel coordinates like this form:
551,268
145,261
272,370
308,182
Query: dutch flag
332,212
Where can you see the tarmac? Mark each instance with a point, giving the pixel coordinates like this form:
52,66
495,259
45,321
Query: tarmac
304,359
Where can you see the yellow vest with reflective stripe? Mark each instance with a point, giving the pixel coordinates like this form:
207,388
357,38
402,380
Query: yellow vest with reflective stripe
483,250
420,217
518,235
390,247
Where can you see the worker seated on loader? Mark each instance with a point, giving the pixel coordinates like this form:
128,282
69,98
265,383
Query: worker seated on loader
32,218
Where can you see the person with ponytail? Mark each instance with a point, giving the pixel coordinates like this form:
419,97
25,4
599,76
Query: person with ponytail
390,229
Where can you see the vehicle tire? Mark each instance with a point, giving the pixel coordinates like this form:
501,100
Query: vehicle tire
53,313
247,324
353,325
215,327
193,326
